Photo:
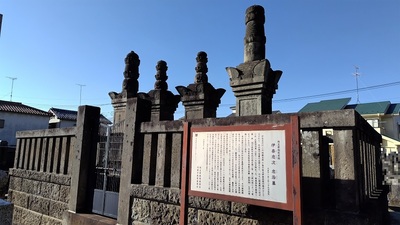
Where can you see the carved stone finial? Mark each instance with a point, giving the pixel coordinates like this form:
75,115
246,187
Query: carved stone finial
200,99
161,76
201,68
130,85
254,41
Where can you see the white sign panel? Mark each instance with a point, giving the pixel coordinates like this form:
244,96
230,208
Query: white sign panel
248,164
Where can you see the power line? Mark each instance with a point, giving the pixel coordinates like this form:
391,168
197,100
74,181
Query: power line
281,100
338,92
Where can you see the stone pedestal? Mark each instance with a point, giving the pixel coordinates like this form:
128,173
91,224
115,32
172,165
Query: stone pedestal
254,84
163,105
200,100
6,212
119,104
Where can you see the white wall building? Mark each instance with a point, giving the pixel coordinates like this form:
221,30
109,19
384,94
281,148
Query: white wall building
15,116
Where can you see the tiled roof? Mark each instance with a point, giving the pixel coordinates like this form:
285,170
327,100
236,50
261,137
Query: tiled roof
64,114
17,107
334,104
371,108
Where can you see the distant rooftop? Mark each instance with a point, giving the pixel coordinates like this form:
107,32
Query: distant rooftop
384,107
333,104
17,107
64,114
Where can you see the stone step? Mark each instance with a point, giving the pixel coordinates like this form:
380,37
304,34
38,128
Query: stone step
88,219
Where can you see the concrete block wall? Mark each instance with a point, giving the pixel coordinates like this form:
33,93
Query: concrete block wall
38,197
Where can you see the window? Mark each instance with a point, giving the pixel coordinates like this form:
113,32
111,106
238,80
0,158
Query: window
374,123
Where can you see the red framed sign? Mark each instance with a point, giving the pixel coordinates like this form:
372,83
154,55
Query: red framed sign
253,164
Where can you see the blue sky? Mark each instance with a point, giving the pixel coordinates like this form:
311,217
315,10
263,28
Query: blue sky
51,46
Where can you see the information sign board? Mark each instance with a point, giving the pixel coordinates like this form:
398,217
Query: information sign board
252,164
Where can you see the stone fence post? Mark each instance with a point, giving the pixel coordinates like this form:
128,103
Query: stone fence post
137,111
83,159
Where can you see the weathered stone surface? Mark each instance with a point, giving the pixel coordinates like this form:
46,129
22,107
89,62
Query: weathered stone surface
64,193
31,186
39,204
46,220
164,213
36,175
192,216
15,183
141,210
23,216
50,190
60,179
209,218
239,208
17,215
57,209
209,204
174,195
20,199
150,192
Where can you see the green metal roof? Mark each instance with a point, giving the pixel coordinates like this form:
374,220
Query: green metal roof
334,104
384,107
371,108
393,109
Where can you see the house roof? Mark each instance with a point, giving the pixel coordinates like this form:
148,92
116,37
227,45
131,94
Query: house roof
17,107
334,104
393,109
64,114
384,107
371,108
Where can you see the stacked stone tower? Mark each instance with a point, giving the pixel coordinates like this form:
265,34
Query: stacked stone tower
254,82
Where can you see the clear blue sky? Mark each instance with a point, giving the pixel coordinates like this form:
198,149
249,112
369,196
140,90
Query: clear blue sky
51,46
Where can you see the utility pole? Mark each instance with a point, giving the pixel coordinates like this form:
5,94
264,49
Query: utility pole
80,92
12,86
357,74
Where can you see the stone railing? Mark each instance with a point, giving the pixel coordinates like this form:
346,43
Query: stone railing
47,174
45,150
40,180
341,172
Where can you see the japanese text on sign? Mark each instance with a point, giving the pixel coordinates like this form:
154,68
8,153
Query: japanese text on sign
249,164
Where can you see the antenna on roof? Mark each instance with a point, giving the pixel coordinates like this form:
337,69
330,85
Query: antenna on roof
357,74
12,86
80,92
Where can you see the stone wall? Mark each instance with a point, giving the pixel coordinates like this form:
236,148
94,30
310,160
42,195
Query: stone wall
38,197
159,205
